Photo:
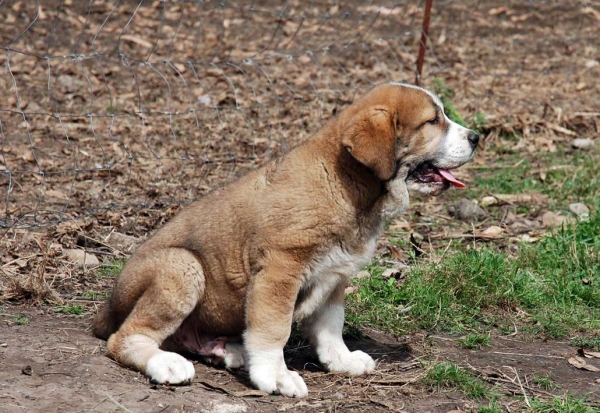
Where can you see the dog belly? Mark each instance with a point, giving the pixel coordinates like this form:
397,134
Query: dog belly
189,337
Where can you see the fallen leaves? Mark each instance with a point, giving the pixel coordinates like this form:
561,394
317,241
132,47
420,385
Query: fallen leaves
551,219
580,363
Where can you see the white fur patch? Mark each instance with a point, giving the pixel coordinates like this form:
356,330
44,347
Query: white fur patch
324,330
171,368
269,373
234,355
326,272
433,96
456,148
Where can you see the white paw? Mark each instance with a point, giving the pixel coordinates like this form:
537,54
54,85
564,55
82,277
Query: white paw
234,355
353,363
281,381
169,368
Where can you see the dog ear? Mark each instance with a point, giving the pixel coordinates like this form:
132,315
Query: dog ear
371,140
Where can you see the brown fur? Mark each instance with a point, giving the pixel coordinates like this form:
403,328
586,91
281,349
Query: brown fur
237,259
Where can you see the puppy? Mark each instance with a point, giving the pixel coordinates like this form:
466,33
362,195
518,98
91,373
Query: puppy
226,278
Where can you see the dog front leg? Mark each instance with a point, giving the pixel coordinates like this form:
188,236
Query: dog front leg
269,310
324,330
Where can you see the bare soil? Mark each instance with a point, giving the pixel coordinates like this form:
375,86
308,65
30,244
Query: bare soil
53,364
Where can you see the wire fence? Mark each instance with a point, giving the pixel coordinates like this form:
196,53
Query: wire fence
115,107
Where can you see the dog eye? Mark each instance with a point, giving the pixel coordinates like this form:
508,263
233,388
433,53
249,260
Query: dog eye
434,121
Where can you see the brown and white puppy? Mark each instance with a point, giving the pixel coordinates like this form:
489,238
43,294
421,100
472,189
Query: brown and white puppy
279,245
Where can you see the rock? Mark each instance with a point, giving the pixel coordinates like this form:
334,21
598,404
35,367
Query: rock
581,210
82,258
467,210
582,143
122,241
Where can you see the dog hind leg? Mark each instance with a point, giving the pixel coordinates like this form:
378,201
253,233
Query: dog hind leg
176,287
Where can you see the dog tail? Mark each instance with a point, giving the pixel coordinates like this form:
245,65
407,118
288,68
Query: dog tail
104,323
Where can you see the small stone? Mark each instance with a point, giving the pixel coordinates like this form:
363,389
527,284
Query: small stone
582,143
581,210
82,258
467,210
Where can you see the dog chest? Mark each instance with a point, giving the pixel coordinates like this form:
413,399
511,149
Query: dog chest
327,271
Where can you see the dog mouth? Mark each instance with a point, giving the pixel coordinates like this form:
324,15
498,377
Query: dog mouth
427,173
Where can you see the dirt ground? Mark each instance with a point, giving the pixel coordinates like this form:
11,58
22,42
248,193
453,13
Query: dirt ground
115,116
54,364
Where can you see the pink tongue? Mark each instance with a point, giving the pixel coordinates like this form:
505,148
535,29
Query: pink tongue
447,175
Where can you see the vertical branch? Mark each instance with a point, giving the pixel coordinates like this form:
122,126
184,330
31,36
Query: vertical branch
424,35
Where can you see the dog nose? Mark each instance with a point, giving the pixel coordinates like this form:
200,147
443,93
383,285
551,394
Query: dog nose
473,139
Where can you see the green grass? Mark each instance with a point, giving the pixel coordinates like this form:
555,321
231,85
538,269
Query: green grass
486,288
70,309
21,320
111,269
475,341
477,121
573,177
96,295
451,376
545,382
592,343
490,408
566,404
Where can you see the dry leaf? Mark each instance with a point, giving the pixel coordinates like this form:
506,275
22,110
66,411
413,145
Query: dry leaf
520,199
581,364
398,225
390,272
28,157
595,354
551,219
398,254
492,232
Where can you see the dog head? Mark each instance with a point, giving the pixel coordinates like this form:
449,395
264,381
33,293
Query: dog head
400,131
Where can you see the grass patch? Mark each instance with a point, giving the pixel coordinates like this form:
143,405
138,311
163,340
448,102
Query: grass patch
554,281
93,295
111,269
477,121
567,404
475,341
545,382
490,408
21,320
451,376
70,309
572,176
592,343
